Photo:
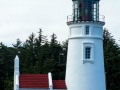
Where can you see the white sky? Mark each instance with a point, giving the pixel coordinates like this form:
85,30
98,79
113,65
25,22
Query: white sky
19,18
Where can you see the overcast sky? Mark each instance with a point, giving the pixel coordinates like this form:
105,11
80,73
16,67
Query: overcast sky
19,18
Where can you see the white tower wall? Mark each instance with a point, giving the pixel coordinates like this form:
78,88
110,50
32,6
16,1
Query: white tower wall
81,73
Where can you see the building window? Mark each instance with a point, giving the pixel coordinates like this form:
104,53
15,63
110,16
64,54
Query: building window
87,30
88,53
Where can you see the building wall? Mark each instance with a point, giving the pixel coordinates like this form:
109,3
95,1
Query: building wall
81,73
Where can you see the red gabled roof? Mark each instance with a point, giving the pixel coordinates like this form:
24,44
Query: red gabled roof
39,81
59,84
34,81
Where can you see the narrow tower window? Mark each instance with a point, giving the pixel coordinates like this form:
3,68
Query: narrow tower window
88,53
87,30
88,56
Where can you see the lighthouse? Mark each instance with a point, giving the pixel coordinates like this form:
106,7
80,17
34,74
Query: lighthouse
85,59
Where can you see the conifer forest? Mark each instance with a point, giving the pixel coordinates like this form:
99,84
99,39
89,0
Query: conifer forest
38,55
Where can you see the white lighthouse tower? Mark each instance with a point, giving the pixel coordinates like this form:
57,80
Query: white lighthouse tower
85,60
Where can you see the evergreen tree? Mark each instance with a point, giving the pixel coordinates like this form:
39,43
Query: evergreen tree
112,61
39,53
6,63
2,74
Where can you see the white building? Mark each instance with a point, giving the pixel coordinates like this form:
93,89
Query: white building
85,60
35,81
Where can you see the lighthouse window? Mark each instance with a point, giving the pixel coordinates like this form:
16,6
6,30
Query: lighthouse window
87,31
87,52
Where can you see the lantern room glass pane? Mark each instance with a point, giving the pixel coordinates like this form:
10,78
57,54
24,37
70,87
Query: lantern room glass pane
86,10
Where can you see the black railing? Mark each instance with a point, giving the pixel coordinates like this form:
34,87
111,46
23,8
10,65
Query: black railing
72,18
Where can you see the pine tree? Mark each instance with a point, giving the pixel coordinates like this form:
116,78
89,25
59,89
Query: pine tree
112,61
6,63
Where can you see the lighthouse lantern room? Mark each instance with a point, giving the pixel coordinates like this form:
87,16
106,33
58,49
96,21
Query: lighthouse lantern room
85,10
85,59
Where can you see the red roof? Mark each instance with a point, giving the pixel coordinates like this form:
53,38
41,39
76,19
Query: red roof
59,84
34,81
39,81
